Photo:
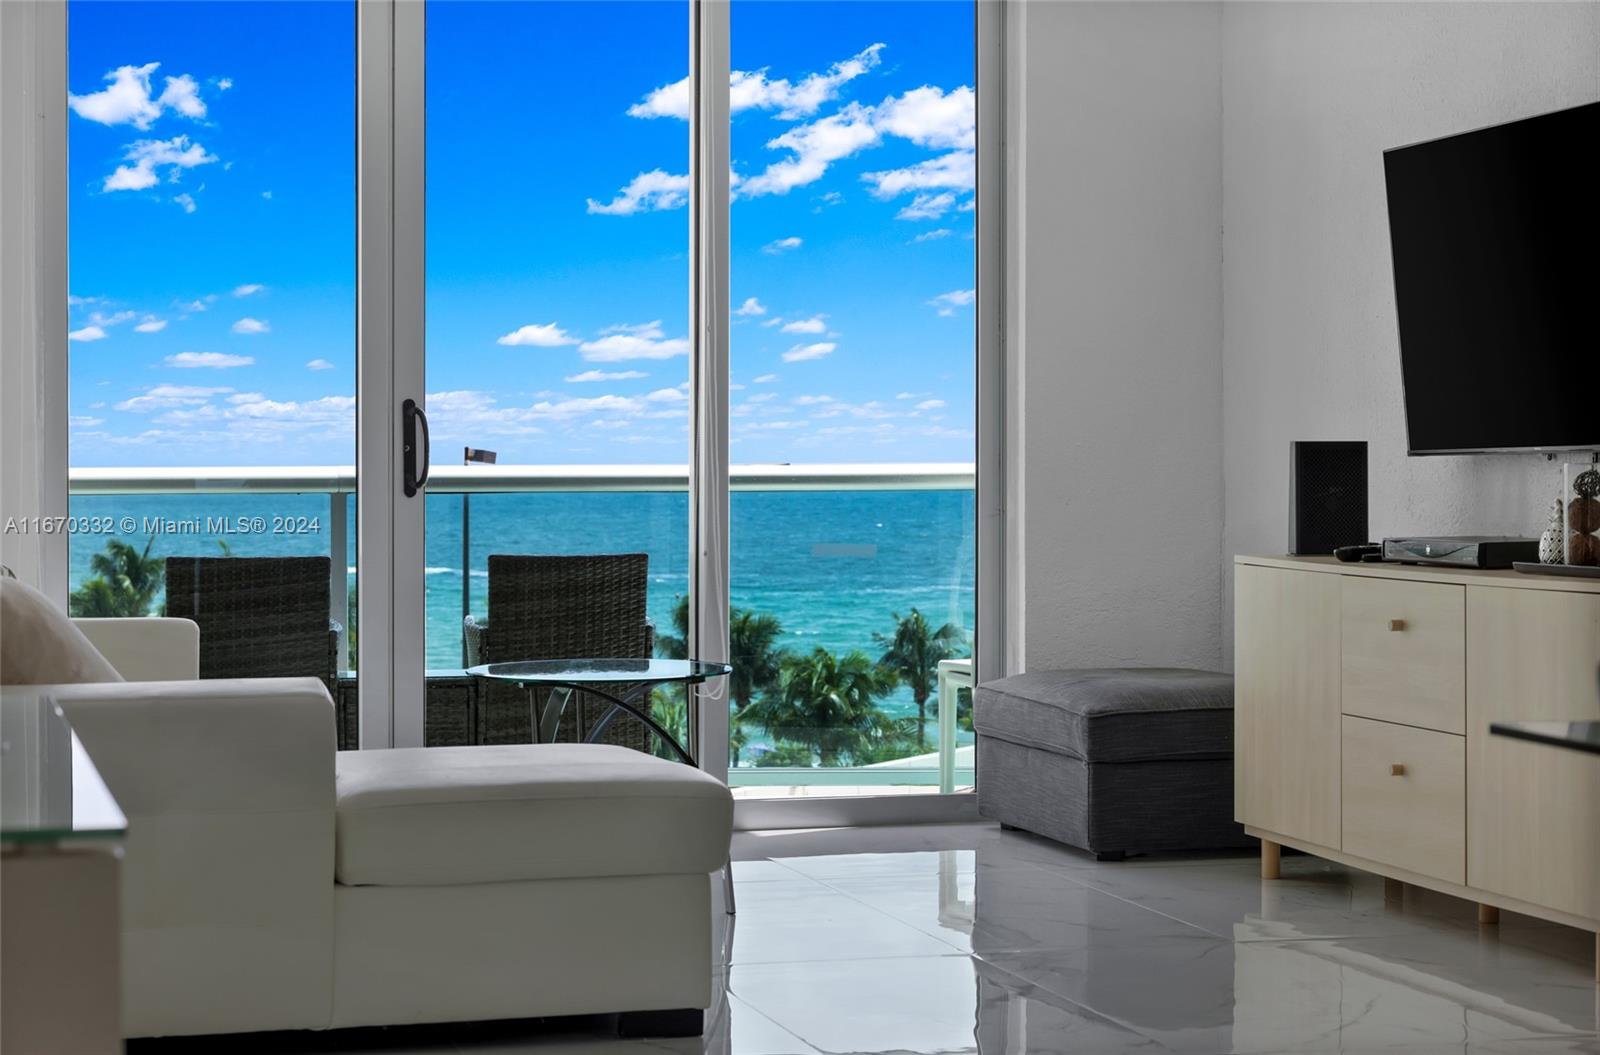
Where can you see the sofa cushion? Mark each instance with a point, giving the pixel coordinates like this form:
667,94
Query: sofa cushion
1111,714
442,815
40,646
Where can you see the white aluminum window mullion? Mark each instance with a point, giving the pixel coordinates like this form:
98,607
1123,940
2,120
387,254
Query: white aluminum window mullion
708,369
377,445
410,620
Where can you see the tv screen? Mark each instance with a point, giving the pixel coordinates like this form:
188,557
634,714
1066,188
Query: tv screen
1496,243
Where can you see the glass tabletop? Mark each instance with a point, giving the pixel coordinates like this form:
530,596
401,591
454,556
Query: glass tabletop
50,791
601,671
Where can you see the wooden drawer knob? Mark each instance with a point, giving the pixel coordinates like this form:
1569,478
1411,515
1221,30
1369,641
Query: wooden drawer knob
1397,769
1397,625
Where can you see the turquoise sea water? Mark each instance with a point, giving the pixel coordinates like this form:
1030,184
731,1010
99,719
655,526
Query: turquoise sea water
834,566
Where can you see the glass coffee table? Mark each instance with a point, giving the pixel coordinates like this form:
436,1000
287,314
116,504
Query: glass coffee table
562,678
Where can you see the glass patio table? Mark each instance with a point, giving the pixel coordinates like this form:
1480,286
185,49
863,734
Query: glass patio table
564,677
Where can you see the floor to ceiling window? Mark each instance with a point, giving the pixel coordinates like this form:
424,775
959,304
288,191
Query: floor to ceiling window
852,281
212,316
214,366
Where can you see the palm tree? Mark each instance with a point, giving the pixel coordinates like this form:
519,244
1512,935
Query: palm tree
756,658
827,703
913,654
125,582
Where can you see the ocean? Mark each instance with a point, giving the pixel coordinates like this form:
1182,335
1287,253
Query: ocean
833,566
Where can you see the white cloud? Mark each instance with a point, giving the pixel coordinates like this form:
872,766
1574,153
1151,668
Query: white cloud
83,421
970,205
185,200
650,191
811,401
666,395
811,325
224,83
249,289
151,324
930,404
764,379
927,206
248,325
126,101
164,397
147,155
642,341
782,245
87,333
934,235
930,118
208,360
755,90
955,170
605,375
319,364
947,303
814,147
183,95
751,306
802,352
548,335
267,195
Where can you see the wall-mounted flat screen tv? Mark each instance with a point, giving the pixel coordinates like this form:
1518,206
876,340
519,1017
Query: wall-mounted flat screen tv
1496,242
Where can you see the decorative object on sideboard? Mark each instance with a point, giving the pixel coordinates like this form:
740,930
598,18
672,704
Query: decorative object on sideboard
1327,496
1581,493
1553,543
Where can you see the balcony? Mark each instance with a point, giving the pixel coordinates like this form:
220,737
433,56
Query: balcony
833,552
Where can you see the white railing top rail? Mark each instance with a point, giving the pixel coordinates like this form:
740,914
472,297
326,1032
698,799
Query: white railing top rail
457,479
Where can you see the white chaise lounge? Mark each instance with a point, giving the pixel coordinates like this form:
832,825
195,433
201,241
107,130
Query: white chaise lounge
274,883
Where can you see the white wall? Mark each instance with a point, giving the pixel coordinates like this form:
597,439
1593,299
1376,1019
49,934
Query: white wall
1312,95
1122,324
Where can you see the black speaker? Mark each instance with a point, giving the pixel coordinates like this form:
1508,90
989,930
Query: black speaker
1327,496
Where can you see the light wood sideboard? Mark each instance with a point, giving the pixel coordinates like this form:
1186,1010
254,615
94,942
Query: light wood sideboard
1363,699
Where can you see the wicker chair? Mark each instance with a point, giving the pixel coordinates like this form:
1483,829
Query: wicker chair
259,617
543,607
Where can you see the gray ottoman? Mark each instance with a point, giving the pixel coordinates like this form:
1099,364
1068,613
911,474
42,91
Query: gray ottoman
1115,760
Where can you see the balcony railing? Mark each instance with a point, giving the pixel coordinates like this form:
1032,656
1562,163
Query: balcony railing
338,482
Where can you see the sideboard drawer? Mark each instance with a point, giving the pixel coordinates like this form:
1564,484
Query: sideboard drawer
1404,797
1404,652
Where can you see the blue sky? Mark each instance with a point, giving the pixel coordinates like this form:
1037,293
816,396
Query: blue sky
213,231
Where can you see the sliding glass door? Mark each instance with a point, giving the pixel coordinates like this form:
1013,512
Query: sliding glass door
557,351
212,351
687,280
853,363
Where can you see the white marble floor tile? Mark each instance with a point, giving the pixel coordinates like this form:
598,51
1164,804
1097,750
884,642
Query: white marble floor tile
1314,899
788,922
1010,908
932,1005
1357,994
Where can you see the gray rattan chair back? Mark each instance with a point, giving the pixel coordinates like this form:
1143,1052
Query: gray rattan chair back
259,617
590,606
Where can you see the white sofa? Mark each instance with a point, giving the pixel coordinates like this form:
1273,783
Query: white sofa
274,883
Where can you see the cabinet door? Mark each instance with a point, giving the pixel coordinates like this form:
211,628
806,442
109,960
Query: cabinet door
1533,812
1286,702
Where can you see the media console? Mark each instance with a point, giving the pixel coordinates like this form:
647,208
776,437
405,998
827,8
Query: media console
1363,699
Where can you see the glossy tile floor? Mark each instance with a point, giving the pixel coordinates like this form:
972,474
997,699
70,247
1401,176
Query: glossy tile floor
964,938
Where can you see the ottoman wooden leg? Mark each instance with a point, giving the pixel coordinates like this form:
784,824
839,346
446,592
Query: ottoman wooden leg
1271,859
1488,915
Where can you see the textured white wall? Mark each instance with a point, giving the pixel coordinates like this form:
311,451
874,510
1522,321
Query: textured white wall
1312,95
1122,316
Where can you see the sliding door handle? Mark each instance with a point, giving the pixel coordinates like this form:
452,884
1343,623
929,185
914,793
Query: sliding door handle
411,416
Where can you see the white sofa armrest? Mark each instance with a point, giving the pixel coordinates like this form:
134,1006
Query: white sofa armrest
148,649
228,786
